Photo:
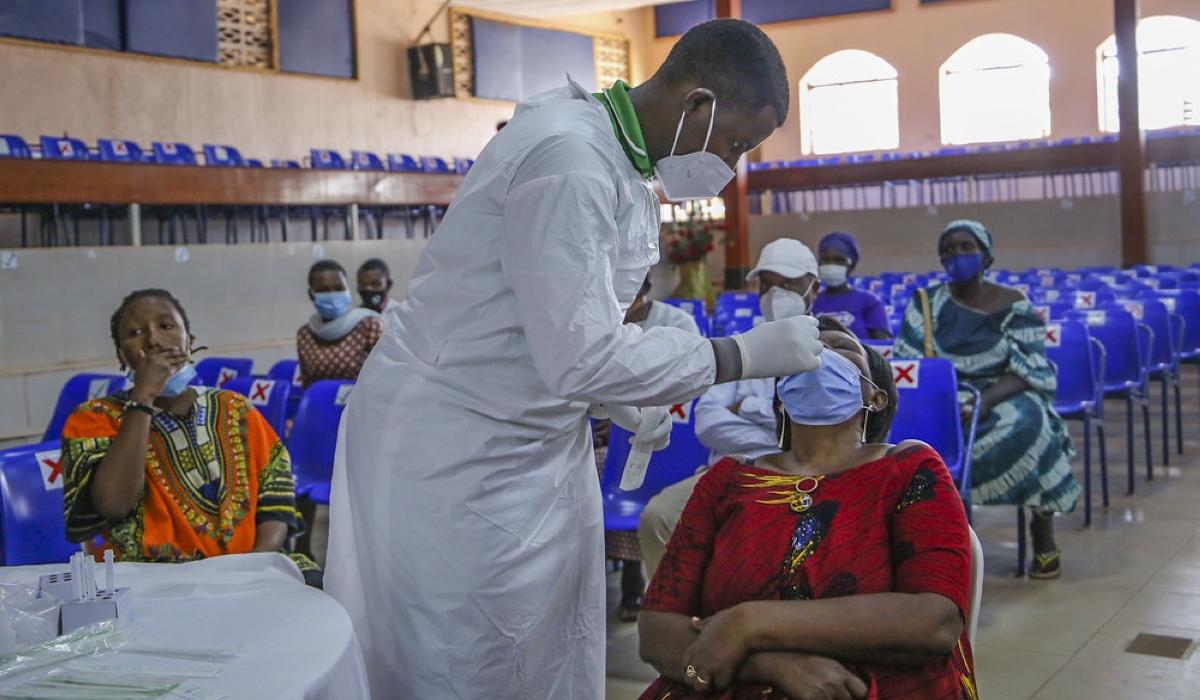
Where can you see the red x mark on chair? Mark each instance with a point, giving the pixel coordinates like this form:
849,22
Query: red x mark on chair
259,392
55,468
1086,300
1043,312
905,373
226,375
1053,333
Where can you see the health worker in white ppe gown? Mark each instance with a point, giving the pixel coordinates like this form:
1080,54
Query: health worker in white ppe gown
466,535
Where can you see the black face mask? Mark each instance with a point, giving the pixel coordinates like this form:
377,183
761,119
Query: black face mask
373,300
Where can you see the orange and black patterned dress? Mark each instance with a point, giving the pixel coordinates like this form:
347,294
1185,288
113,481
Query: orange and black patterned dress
893,525
211,477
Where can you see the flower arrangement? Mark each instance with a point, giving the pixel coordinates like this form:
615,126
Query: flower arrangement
690,241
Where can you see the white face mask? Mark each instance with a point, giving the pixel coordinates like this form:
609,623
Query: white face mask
779,303
834,275
699,175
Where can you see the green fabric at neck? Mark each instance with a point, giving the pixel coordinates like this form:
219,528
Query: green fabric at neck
625,125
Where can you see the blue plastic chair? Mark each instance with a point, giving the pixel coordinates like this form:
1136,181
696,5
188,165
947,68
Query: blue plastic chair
928,410
323,159
695,307
1185,304
293,164
31,516
80,388
216,371
173,153
1126,351
741,324
13,147
55,148
119,151
676,462
366,161
270,397
734,305
462,165
883,347
704,324
1079,362
433,164
226,156
289,371
1163,360
314,437
404,163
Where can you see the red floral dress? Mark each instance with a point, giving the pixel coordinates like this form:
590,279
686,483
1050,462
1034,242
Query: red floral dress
893,525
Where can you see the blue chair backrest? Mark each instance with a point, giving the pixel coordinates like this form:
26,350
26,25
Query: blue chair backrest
80,388
31,525
403,163
55,148
366,161
677,462
287,371
223,155
118,151
927,408
13,147
314,437
254,163
1153,313
1069,347
1186,303
694,307
1116,329
433,164
883,347
173,153
704,324
215,371
267,395
285,164
740,324
462,165
323,159
735,305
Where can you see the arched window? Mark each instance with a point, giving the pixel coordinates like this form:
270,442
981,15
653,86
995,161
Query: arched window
996,87
1168,74
848,103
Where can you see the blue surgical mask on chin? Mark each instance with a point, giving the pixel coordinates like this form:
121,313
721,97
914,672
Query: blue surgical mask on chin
963,268
699,175
828,395
179,381
330,305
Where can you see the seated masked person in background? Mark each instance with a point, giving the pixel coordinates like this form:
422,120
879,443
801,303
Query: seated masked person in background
862,311
838,568
335,342
738,417
375,286
167,472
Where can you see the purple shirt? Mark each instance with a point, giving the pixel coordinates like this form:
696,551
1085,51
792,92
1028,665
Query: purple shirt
858,310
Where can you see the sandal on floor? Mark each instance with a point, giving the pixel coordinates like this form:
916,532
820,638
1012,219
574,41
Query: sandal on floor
630,607
1046,565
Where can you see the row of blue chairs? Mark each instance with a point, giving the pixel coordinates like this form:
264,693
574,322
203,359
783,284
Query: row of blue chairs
175,153
31,501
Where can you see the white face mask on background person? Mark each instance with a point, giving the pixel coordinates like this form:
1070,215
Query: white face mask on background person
834,275
779,303
699,175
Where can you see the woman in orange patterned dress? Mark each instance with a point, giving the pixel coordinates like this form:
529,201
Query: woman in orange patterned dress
169,472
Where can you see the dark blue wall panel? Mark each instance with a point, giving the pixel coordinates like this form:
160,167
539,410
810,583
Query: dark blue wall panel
513,62
57,21
102,24
176,28
678,17
316,37
548,56
768,11
497,47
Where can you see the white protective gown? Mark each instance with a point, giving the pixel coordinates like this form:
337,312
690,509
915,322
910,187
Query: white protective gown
466,534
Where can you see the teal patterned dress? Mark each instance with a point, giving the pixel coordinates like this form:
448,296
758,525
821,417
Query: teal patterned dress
1022,452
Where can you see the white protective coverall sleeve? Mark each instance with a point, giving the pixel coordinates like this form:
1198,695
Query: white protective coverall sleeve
562,273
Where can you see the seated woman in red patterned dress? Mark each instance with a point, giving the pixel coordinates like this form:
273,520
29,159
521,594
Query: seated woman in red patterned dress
838,568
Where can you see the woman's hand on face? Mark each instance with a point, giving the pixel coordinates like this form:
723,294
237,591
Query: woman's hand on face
716,654
154,367
807,677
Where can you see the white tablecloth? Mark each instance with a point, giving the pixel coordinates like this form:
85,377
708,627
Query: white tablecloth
296,641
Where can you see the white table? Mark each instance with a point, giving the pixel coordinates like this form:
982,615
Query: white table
296,641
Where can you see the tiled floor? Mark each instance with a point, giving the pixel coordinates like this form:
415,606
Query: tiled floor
1135,570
